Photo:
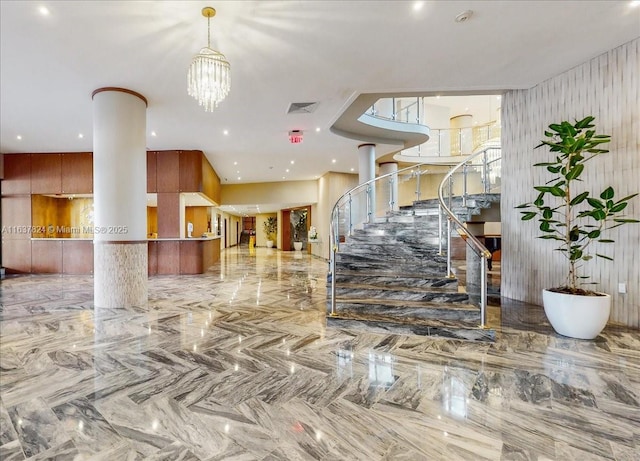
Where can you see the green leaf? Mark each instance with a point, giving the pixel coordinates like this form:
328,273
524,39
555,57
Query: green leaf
526,216
524,205
555,127
575,172
551,237
545,164
618,207
594,234
626,198
574,234
587,258
606,241
553,169
540,200
594,202
604,257
598,215
625,220
547,213
556,191
545,226
607,193
579,198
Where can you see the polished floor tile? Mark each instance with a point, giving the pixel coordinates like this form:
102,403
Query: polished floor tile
239,364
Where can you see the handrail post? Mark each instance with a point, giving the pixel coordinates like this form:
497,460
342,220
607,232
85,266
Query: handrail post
350,228
391,202
418,110
393,108
368,200
439,229
418,184
465,171
483,291
449,271
485,177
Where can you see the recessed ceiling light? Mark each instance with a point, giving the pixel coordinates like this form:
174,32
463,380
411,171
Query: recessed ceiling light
225,132
239,178
438,97
283,177
80,136
287,170
293,161
498,97
333,161
353,169
466,109
417,6
318,130
153,133
634,3
44,11
238,172
19,138
235,163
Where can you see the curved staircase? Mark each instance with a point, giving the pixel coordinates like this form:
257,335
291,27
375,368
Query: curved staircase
391,278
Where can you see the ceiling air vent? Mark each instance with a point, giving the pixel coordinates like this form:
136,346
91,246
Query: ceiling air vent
302,107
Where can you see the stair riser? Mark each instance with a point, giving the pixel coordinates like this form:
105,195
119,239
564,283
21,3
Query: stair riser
387,328
401,295
410,282
427,271
408,315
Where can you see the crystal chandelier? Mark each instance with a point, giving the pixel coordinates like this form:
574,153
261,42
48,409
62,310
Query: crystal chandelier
209,72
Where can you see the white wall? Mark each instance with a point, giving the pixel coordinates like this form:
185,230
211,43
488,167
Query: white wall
606,87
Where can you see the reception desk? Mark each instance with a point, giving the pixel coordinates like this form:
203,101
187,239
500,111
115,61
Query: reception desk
166,256
182,255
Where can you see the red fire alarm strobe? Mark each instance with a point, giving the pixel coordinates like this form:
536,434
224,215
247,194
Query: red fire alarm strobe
295,136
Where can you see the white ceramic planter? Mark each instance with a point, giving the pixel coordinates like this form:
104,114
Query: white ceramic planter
582,317
269,243
297,246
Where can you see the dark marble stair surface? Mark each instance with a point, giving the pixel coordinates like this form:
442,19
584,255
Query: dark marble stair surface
391,278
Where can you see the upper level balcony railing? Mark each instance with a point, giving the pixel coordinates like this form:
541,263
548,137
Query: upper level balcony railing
443,142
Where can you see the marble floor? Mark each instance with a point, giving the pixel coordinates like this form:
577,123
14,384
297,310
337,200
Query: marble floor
238,364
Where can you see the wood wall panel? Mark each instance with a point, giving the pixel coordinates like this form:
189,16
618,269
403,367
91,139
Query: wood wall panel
17,174
77,257
191,171
46,173
16,256
153,258
168,257
191,257
210,181
16,217
168,171
77,173
152,160
46,256
607,87
168,215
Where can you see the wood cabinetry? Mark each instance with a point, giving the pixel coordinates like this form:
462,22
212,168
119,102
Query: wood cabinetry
46,256
77,173
168,171
191,171
168,215
17,174
152,161
77,256
46,173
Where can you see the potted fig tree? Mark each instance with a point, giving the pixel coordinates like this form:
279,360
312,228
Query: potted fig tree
578,222
269,226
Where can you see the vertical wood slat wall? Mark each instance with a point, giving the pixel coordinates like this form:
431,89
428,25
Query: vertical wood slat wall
607,87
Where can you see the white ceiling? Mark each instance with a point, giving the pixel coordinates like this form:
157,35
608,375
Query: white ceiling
280,52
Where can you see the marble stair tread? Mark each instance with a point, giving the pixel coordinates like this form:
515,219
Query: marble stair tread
398,305
397,279
353,284
373,325
452,314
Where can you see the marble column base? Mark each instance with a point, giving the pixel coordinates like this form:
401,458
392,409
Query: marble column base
120,274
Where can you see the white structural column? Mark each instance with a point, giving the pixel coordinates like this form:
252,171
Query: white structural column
390,184
366,172
120,198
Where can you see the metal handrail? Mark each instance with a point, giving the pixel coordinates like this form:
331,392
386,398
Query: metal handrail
482,250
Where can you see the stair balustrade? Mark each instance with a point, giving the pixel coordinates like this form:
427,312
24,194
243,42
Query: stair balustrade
397,199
